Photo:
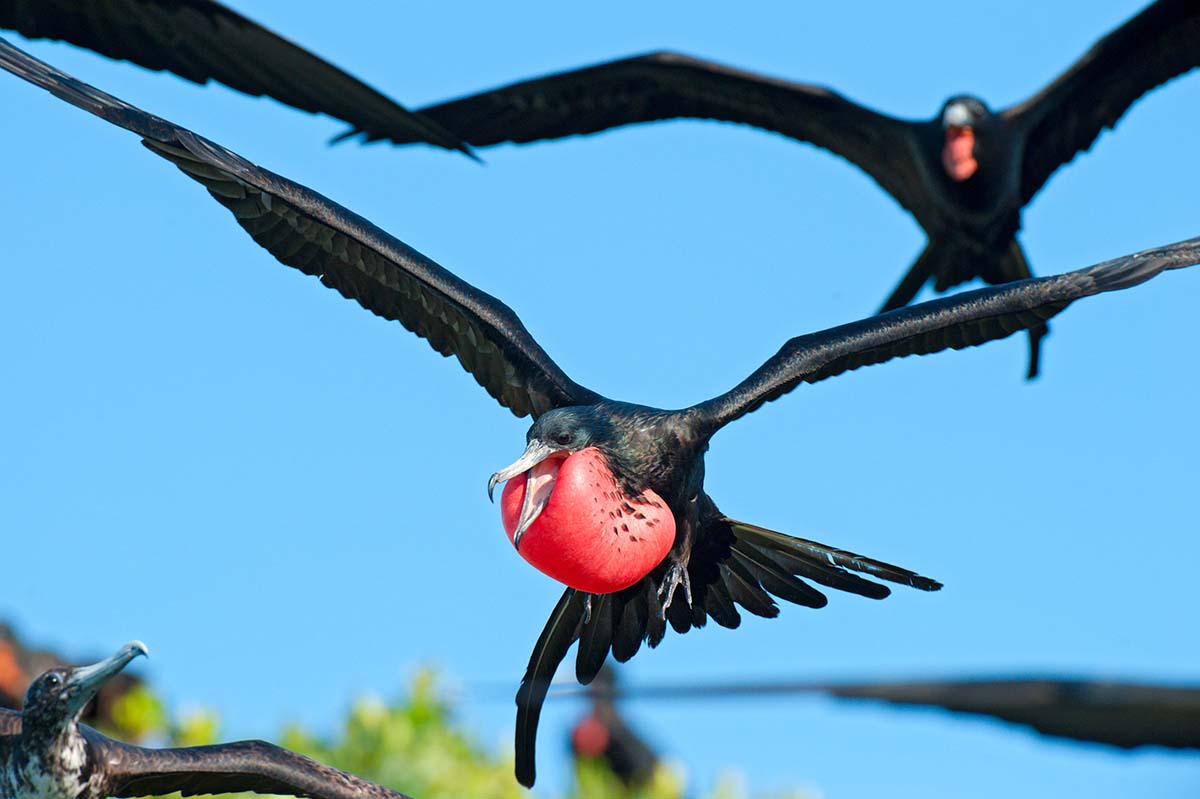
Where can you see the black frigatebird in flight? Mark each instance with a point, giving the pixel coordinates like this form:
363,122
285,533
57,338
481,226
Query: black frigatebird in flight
203,40
964,175
1128,715
45,753
616,506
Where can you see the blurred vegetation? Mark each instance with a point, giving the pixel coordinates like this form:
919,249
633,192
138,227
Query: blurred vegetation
415,746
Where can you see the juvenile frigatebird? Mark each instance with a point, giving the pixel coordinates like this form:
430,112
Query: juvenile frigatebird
964,175
626,470
20,663
203,40
45,753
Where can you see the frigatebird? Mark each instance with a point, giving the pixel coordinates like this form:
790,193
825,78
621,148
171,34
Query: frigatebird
965,175
1127,715
606,477
203,40
21,663
604,734
45,753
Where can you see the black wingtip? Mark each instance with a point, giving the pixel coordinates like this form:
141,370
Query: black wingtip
925,584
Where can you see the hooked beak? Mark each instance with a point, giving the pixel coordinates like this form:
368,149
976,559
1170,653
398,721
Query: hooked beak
84,683
535,498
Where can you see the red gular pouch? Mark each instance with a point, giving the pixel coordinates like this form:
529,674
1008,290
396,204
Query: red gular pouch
589,535
958,153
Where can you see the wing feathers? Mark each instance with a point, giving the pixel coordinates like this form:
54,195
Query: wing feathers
255,766
1064,119
318,237
963,320
201,40
666,85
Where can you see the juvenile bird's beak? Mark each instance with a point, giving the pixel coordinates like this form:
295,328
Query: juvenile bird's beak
537,486
85,682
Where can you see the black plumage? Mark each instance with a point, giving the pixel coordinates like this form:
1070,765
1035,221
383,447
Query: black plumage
1126,715
203,40
971,223
45,753
717,564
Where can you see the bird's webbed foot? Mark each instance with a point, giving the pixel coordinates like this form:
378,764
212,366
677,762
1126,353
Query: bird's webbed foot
676,576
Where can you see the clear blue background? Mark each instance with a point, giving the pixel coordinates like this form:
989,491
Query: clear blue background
284,496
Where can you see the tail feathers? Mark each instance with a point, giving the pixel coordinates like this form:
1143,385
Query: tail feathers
918,275
820,563
563,627
1036,334
1014,266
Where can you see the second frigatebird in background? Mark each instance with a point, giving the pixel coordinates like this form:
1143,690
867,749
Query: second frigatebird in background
965,174
604,474
203,40
45,753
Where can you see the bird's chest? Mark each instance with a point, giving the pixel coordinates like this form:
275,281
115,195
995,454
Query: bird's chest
61,777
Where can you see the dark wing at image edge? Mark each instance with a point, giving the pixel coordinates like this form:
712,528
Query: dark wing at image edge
203,40
319,237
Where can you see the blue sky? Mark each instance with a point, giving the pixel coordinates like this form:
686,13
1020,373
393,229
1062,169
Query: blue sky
285,496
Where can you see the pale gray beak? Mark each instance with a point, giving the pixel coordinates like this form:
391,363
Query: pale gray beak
84,683
536,496
535,452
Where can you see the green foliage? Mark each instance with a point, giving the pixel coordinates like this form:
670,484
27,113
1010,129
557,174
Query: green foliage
415,746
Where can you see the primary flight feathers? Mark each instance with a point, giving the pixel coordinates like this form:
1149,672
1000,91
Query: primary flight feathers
718,564
202,40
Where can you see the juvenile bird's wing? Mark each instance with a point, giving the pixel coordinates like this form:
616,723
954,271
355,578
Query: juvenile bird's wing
255,766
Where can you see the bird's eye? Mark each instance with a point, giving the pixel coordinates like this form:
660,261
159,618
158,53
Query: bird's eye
53,681
563,438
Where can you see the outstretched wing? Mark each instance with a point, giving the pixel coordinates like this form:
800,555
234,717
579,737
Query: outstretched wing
10,722
319,237
1160,43
255,766
669,85
1117,714
1121,714
202,40
963,320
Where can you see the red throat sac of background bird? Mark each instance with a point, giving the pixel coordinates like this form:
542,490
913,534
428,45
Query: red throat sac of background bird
589,535
958,154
